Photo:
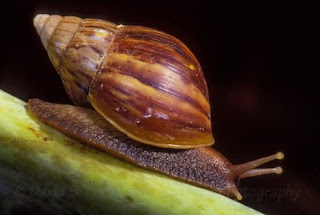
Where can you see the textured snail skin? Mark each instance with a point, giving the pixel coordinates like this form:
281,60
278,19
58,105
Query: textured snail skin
204,166
146,83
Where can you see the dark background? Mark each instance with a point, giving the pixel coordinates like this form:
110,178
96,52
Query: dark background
256,61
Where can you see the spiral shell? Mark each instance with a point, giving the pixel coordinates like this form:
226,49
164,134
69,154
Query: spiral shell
146,83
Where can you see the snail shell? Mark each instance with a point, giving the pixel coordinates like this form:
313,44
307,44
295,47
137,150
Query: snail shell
144,82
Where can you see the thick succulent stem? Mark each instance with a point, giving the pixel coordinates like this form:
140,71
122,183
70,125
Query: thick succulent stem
43,165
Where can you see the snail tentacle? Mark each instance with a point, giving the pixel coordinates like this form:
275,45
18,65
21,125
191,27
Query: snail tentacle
249,167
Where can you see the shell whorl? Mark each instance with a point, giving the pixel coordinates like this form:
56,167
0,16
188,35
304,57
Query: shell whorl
146,83
76,48
45,27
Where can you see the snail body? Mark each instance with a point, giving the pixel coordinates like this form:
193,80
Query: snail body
204,166
151,96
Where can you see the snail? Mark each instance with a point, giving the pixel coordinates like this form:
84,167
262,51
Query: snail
149,97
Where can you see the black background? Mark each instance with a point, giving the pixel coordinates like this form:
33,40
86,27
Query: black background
256,61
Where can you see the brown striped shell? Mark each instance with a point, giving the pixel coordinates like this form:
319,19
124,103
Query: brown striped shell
146,83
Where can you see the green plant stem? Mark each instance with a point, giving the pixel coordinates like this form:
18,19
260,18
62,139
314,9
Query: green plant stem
39,164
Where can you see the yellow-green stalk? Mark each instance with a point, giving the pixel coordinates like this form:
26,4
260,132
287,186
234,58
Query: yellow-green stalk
40,163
